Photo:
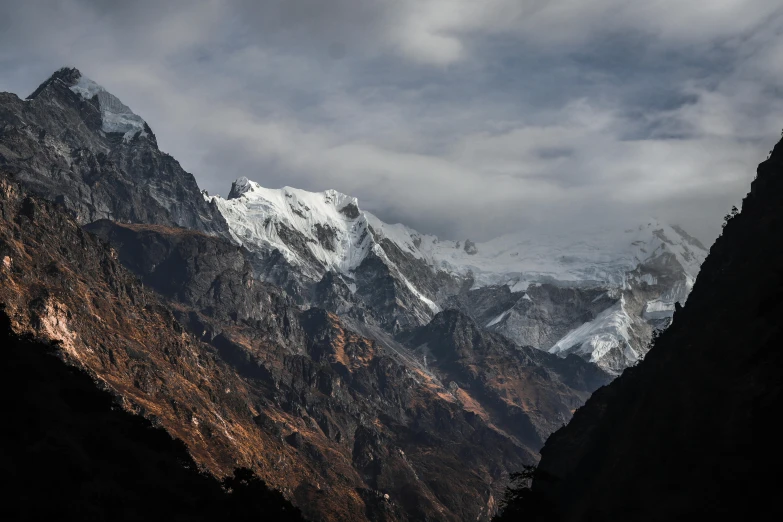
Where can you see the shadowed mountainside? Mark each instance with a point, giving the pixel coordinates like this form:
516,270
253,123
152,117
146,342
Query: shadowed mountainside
526,392
332,411
691,432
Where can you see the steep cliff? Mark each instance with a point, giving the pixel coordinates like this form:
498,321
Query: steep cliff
598,294
73,142
526,392
691,432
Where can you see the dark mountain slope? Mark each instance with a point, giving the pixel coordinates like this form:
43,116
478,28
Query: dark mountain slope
692,431
203,272
70,453
527,392
61,146
229,364
58,282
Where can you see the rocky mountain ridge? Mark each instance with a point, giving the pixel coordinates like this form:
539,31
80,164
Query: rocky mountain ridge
337,379
74,142
102,462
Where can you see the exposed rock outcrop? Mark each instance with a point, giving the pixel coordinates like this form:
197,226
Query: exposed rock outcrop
498,379
399,279
72,141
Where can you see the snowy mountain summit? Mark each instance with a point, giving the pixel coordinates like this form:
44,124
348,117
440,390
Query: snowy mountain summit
315,231
115,115
598,294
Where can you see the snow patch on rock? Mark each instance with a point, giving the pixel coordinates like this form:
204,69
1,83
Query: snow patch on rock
115,116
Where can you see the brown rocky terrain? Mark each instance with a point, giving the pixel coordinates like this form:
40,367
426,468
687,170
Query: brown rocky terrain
168,315
69,453
528,401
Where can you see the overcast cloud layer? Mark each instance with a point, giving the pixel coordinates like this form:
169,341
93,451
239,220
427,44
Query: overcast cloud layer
463,118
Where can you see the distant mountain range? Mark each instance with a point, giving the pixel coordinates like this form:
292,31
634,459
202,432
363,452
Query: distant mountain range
598,294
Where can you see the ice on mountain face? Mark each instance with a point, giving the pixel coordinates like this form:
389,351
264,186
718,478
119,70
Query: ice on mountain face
648,279
608,335
605,257
602,257
499,318
115,116
663,306
658,309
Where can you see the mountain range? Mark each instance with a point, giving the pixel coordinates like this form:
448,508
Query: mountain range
366,370
599,294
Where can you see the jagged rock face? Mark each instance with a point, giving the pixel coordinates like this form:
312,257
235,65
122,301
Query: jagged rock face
235,368
348,428
304,242
208,274
609,325
690,433
494,375
540,316
101,462
72,142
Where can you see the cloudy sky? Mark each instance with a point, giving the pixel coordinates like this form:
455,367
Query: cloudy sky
465,118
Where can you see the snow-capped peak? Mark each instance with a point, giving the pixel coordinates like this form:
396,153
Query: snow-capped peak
241,186
317,231
335,232
115,116
603,256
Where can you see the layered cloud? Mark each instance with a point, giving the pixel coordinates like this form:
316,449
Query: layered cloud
462,118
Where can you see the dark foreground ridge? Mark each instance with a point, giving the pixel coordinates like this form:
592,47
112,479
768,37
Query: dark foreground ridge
689,434
69,452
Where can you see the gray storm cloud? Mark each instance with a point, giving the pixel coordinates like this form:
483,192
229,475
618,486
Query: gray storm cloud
460,118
